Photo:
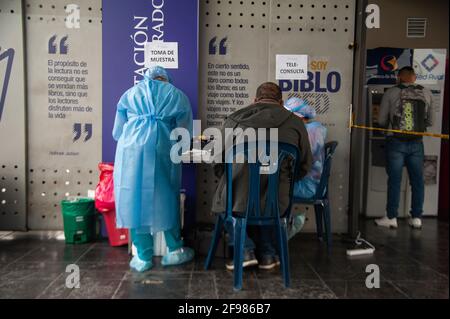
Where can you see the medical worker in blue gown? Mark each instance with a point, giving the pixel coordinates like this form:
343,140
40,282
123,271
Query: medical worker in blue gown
146,181
307,186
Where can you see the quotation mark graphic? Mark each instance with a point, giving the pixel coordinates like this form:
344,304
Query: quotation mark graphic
222,47
63,46
88,131
8,55
78,132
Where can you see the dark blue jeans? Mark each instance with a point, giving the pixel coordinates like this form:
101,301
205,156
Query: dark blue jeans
401,153
263,235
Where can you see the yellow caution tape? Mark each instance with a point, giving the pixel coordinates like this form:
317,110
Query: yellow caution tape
443,136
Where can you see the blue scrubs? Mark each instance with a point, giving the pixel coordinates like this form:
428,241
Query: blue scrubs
307,186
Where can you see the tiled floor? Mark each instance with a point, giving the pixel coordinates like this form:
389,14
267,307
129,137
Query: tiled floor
413,264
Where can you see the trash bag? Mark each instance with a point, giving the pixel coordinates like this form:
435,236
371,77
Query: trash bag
104,193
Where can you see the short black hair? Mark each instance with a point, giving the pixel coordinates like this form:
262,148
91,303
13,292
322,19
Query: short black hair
269,90
407,69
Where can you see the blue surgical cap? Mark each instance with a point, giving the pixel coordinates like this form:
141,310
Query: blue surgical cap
155,71
300,107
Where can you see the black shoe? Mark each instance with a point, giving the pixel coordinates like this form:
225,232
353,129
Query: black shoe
249,260
268,262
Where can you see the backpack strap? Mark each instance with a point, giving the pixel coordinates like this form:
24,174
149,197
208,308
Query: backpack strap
415,86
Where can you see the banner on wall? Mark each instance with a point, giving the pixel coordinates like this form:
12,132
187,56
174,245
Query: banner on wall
429,65
232,70
5,74
64,107
382,64
12,118
321,87
127,30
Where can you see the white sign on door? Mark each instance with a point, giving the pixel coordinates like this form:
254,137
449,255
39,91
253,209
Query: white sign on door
429,65
161,53
291,67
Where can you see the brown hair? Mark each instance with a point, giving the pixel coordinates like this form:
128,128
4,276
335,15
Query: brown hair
407,70
268,90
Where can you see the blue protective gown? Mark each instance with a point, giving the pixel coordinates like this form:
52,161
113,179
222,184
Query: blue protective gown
146,182
307,186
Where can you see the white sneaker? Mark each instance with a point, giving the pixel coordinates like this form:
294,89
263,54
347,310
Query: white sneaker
415,222
386,222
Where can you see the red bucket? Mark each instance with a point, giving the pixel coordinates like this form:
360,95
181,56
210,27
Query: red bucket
116,236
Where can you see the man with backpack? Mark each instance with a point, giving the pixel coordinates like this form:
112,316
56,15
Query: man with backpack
406,107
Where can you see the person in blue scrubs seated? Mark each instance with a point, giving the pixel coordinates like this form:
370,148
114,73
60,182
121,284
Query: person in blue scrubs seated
146,182
307,186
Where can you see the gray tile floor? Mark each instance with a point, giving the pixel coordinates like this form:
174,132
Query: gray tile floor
413,264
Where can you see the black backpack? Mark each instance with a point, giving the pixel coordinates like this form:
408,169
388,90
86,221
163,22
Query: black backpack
411,113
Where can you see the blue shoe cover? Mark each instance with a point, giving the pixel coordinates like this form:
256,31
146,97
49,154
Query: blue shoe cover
297,225
140,265
177,257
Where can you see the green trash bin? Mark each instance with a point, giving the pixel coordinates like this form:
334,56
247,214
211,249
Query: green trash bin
79,220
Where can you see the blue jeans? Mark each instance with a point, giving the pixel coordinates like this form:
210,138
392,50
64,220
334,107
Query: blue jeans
401,153
264,235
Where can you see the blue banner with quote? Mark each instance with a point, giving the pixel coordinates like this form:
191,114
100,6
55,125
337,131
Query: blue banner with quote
127,27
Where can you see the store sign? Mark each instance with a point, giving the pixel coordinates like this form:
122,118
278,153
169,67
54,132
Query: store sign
429,65
160,53
383,64
291,67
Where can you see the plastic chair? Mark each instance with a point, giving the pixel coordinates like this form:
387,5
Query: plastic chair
253,214
320,199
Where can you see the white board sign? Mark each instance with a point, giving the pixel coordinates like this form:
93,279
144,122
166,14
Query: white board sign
161,53
429,65
291,67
